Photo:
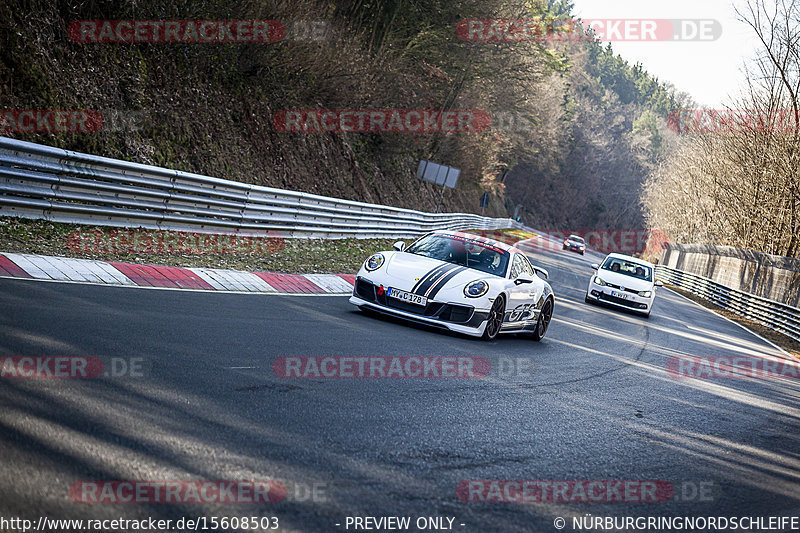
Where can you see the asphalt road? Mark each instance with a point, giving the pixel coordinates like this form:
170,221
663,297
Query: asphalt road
597,404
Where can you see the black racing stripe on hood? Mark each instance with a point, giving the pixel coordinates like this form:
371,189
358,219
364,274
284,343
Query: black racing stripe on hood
425,277
432,277
443,281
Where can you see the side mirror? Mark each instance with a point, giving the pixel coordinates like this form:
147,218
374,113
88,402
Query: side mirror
659,283
522,279
399,246
595,266
542,273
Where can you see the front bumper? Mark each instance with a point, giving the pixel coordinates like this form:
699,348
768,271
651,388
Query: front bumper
456,317
633,302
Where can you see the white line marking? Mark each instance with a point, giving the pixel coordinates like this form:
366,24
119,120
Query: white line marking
25,264
733,322
66,270
211,280
250,281
329,282
110,274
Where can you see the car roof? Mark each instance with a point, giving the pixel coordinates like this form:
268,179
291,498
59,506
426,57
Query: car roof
629,258
497,244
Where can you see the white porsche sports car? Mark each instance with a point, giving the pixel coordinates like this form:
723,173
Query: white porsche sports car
457,281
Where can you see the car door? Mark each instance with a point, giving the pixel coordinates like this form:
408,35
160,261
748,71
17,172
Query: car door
520,306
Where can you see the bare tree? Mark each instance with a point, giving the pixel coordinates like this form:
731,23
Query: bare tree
738,183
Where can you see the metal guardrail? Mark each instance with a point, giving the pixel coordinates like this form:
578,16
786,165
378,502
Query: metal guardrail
769,276
776,315
38,181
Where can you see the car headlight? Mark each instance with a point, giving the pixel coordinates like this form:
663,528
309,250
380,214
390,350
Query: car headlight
476,289
374,262
646,294
599,281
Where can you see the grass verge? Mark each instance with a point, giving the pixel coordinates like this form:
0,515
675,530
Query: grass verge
323,256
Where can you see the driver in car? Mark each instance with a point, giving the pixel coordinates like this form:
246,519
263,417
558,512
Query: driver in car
489,260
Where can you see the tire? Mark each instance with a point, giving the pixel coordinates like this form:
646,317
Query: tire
581,253
544,320
496,316
587,300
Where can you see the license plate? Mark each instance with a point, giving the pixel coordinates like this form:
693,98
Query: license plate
623,295
408,297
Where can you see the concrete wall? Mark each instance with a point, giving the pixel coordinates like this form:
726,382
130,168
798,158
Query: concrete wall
765,275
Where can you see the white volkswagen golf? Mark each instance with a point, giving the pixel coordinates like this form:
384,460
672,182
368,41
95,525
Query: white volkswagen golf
624,281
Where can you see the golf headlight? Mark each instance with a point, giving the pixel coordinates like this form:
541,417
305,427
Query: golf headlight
599,281
374,262
646,294
476,289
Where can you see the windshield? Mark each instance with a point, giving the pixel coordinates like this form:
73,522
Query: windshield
462,251
576,238
629,268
